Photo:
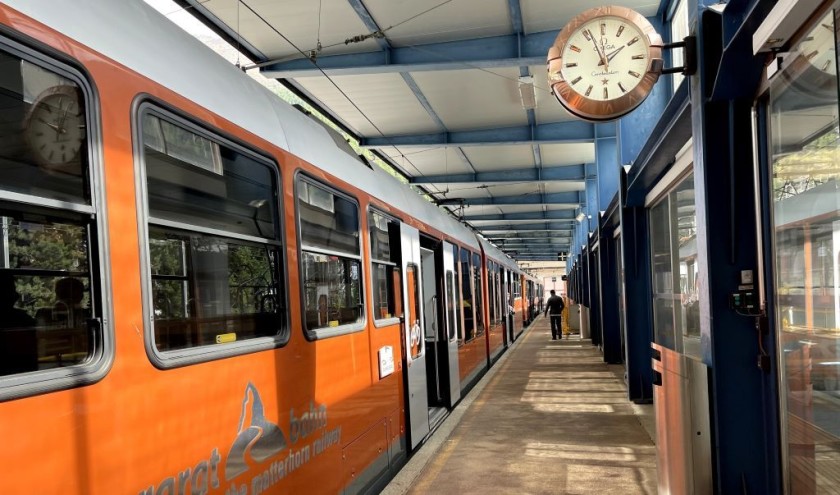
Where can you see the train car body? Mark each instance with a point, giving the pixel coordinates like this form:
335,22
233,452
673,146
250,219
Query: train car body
202,290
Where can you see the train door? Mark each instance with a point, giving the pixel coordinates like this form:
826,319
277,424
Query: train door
451,303
415,352
434,336
509,305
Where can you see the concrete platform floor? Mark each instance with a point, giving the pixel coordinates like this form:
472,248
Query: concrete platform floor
549,418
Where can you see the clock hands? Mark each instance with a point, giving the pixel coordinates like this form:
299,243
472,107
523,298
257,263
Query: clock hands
604,61
57,128
612,54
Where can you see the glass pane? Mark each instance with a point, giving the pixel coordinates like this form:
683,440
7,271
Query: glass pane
450,305
804,143
414,330
683,206
459,303
383,304
43,132
466,295
239,198
380,244
332,290
208,290
479,308
663,277
45,301
328,221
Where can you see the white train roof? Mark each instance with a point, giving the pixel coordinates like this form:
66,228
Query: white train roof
135,35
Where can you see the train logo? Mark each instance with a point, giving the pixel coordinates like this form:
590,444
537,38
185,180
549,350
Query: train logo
257,436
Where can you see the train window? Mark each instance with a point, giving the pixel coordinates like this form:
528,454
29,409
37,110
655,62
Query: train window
479,299
460,306
330,260
214,252
450,307
415,344
491,292
51,271
385,273
466,295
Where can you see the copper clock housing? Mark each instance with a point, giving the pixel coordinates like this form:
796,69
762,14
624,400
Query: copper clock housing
604,110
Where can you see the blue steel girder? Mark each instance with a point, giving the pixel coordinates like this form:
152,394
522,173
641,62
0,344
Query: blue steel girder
570,198
512,50
530,236
529,215
573,131
562,172
554,226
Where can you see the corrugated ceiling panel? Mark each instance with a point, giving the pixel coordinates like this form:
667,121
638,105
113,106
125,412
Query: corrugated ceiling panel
546,15
492,158
384,98
567,153
432,161
474,99
452,21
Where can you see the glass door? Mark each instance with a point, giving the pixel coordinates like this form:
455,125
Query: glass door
804,144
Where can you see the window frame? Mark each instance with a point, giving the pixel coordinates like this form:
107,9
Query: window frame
143,105
394,320
348,328
101,359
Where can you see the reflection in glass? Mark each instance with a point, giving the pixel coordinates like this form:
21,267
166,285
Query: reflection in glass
204,287
45,295
383,265
676,306
804,142
332,290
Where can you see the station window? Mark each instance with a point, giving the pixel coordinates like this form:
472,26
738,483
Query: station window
676,312
51,274
385,273
214,251
330,260
679,30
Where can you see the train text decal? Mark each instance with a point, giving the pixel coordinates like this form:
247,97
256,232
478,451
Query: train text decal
257,440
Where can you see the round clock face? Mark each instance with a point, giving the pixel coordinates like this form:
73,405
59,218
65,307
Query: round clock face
817,47
604,63
55,127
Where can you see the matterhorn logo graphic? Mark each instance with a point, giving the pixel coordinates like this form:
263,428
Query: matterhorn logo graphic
257,437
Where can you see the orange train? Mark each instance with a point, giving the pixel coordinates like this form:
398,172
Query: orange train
202,289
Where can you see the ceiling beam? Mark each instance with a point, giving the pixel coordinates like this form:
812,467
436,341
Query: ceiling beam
572,198
512,50
562,172
556,226
528,215
571,131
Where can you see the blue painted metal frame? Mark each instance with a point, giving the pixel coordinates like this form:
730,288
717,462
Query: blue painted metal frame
726,245
562,172
575,131
527,215
569,198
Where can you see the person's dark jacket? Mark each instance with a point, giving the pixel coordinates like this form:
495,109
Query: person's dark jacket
554,305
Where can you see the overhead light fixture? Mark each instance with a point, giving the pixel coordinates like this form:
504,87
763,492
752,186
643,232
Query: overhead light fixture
526,92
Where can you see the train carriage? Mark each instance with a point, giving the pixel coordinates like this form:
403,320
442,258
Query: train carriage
203,290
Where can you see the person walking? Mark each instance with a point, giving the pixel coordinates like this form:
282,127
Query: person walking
554,306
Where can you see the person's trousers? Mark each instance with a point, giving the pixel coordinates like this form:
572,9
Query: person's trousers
556,328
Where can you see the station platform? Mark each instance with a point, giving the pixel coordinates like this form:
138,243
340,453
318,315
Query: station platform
550,418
